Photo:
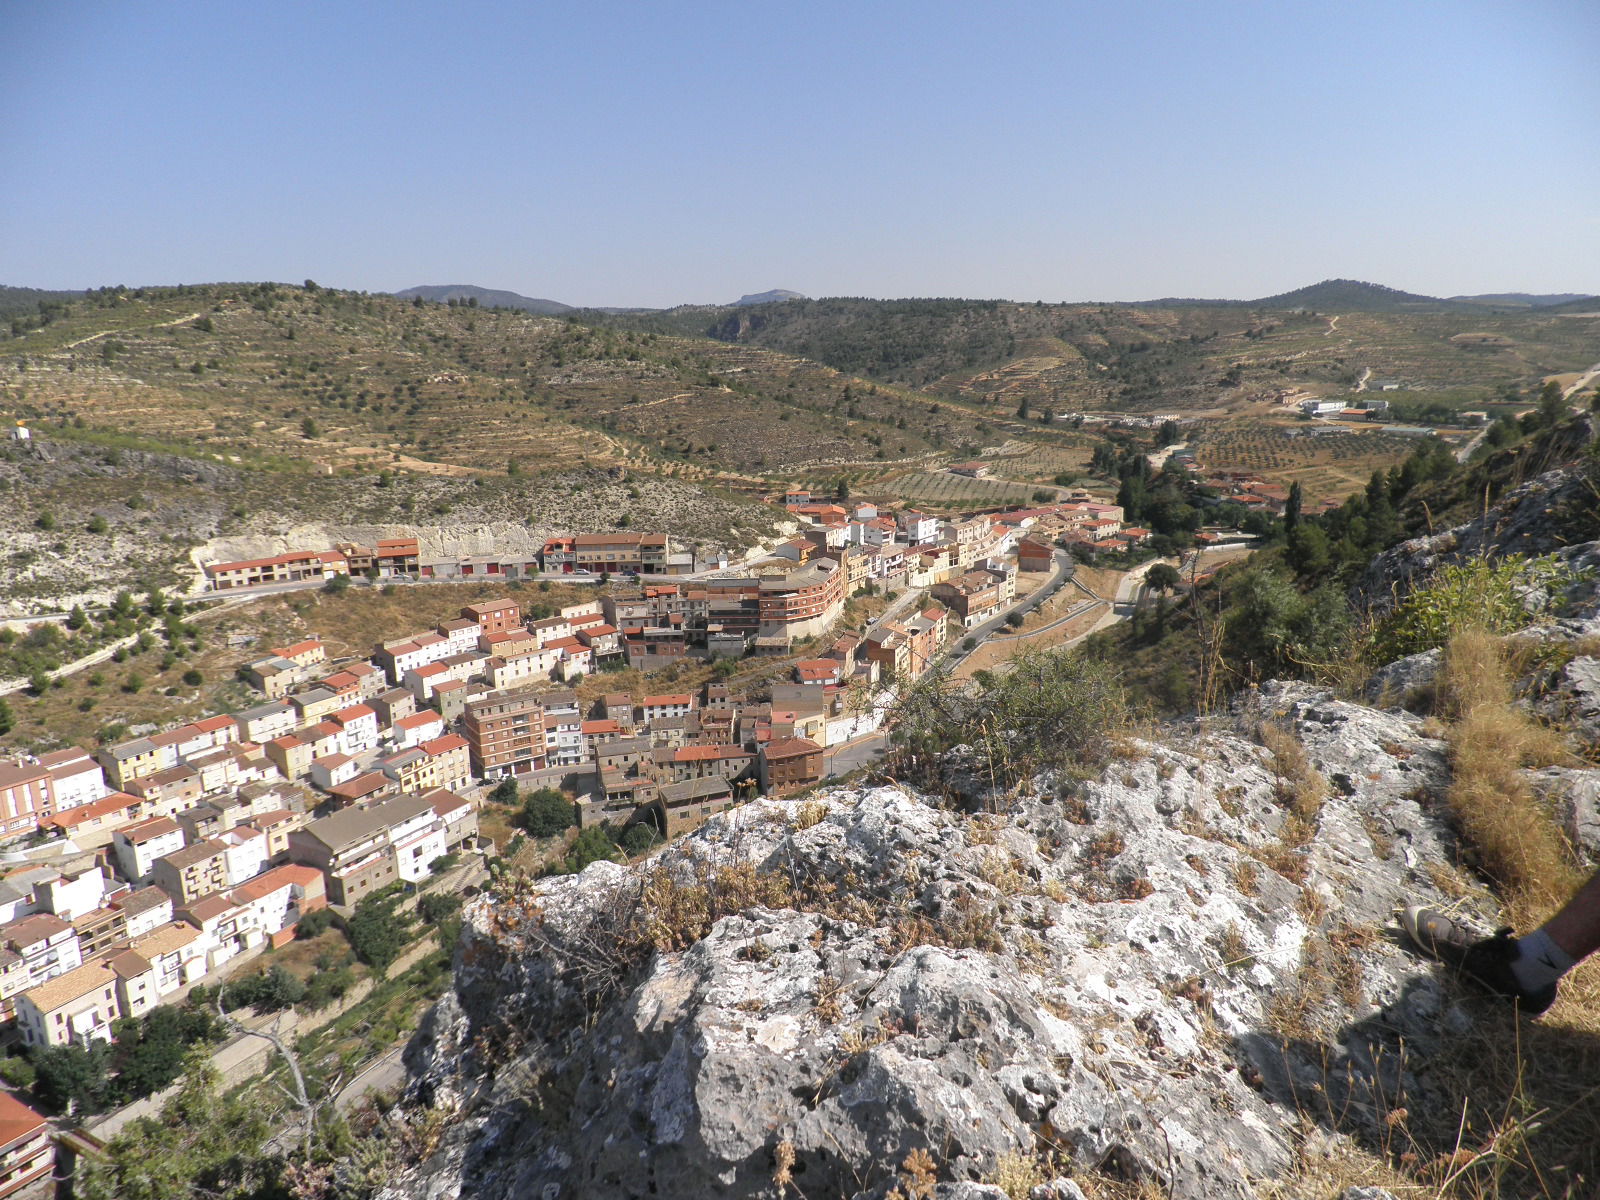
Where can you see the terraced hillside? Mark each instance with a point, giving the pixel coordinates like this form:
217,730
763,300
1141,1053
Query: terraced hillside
1189,356
346,380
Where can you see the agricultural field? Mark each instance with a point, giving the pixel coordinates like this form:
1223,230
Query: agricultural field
1042,463
1330,462
340,382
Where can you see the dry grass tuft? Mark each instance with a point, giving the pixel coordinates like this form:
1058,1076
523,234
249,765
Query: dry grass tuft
1299,786
919,1177
811,812
1515,839
677,914
1017,1174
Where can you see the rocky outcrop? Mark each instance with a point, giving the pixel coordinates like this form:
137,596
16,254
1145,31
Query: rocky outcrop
1553,513
1137,974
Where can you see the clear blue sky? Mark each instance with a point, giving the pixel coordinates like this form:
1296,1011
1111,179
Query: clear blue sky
656,153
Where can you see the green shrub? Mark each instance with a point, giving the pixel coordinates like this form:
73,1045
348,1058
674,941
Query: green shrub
377,932
637,839
323,988
593,844
1051,710
18,1072
546,813
312,924
1498,597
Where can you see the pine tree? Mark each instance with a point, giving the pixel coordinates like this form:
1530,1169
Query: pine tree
1291,509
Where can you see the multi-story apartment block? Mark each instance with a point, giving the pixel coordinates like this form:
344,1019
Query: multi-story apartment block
974,598
245,853
397,556
789,765
676,704
604,553
76,1008
803,602
505,734
177,952
416,728
266,721
74,888
25,797
732,762
391,704
193,871
511,668
332,770
292,567
407,654
274,900
444,762
690,804
315,703
273,676
131,760
47,945
224,932
170,790
461,632
291,754
91,825
75,777
358,727
356,683
143,910
27,1154
100,930
361,850
494,616
563,729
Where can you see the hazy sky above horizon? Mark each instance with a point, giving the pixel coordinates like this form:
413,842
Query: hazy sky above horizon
664,153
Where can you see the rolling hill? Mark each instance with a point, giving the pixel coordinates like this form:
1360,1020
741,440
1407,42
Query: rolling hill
350,382
1187,355
485,298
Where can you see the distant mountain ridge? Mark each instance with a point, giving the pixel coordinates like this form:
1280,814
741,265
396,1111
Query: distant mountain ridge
1353,295
26,299
486,297
1525,299
775,296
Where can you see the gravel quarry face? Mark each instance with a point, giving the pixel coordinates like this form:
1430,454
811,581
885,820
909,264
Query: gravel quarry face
79,523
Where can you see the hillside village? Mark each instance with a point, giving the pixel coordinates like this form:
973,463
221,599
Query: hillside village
164,860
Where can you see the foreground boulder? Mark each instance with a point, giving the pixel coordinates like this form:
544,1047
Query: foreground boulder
1142,975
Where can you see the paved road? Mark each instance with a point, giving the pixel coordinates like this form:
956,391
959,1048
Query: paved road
858,752
386,1074
1583,381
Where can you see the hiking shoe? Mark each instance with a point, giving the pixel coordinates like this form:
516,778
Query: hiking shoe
1485,960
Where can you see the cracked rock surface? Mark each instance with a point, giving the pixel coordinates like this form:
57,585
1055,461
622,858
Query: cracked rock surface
1142,971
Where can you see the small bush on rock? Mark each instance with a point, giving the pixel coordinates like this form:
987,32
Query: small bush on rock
1051,710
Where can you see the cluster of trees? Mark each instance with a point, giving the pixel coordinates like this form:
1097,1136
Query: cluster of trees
46,647
1166,502
1341,541
545,812
148,1056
